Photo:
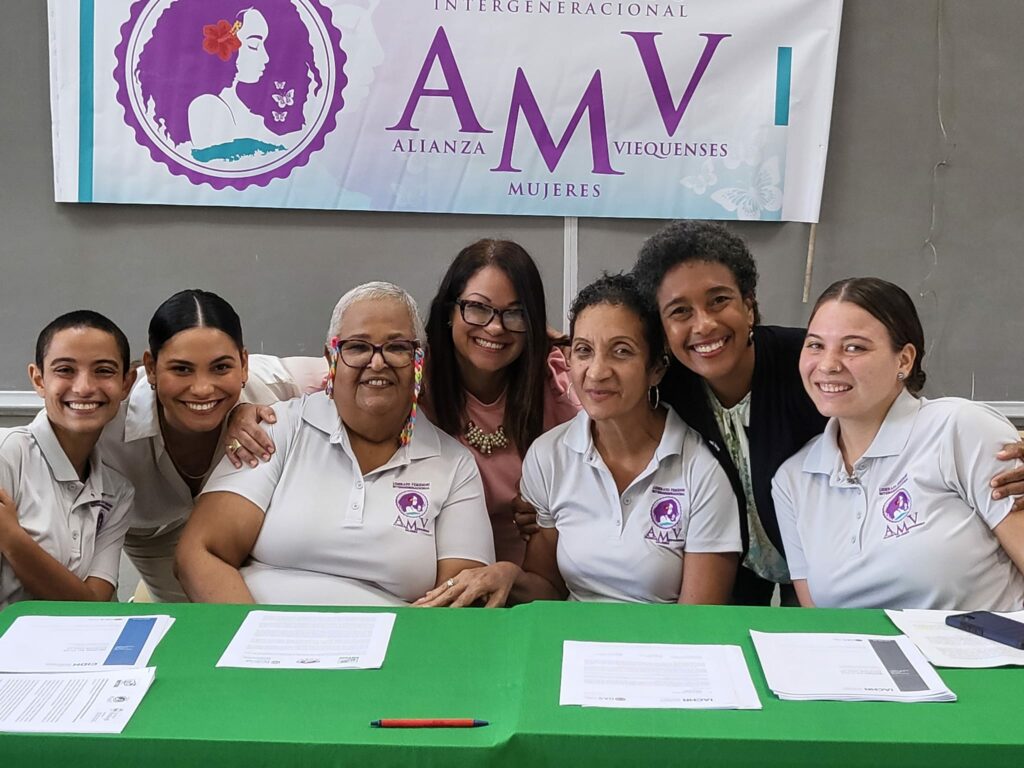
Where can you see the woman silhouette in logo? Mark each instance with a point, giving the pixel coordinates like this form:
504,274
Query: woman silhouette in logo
233,78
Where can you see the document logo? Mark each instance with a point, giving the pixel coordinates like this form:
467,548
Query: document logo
230,93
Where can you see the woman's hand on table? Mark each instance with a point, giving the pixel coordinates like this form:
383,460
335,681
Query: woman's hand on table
489,584
245,441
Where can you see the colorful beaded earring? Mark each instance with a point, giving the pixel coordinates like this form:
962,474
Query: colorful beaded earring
332,365
417,385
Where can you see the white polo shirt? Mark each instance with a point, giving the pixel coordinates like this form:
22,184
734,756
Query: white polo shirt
912,528
81,524
629,547
334,536
133,444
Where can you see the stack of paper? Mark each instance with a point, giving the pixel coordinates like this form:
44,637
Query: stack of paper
77,702
86,674
310,640
833,667
80,643
946,646
656,676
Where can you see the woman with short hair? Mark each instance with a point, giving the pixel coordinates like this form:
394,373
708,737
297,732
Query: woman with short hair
363,502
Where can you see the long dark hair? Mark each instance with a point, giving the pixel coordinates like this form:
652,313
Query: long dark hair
892,307
193,308
524,403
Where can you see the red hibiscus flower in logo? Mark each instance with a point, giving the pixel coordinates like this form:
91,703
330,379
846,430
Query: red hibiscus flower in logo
221,39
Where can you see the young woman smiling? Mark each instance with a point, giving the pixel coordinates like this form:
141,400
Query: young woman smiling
890,507
737,382
167,436
494,380
63,511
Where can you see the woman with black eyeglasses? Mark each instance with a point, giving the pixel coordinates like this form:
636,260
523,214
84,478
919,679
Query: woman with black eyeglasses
494,380
364,502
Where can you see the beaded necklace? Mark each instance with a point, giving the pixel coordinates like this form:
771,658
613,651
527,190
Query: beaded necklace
486,442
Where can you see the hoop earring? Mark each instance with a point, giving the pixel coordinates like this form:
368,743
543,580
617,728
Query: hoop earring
654,401
750,337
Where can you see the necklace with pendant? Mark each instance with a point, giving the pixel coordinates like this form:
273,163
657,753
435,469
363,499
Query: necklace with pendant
486,442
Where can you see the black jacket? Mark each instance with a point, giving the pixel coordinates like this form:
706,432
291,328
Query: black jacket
782,418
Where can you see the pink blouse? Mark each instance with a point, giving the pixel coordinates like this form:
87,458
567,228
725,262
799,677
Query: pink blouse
502,468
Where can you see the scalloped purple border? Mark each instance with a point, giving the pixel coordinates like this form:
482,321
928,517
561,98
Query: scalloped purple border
217,182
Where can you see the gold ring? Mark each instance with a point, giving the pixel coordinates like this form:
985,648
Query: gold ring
234,445
450,583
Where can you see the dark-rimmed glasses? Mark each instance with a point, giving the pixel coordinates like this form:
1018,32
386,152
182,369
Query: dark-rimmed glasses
356,353
476,313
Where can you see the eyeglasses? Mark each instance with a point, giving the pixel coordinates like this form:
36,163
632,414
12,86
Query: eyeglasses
475,313
356,353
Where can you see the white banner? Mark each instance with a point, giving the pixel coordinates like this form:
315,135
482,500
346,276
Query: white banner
698,109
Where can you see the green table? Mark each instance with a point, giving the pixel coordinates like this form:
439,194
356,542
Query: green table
504,666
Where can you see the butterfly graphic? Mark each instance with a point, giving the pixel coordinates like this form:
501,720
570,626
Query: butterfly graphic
279,116
763,194
701,181
279,84
285,99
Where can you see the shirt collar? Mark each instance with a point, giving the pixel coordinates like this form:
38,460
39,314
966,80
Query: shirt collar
318,410
825,457
579,438
895,431
142,419
60,465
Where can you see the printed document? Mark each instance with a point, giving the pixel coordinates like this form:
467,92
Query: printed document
656,676
80,702
834,667
80,643
946,646
310,640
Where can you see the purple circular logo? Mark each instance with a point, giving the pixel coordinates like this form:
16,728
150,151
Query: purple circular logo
411,504
665,513
897,507
230,93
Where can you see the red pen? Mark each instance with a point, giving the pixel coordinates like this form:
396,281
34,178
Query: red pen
435,722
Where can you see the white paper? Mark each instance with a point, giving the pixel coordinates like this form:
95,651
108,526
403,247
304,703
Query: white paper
946,646
841,667
310,640
656,676
80,643
80,702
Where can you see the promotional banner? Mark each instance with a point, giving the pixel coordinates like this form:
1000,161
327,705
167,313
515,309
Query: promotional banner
701,109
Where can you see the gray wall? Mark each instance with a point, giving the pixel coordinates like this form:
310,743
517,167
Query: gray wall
286,268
